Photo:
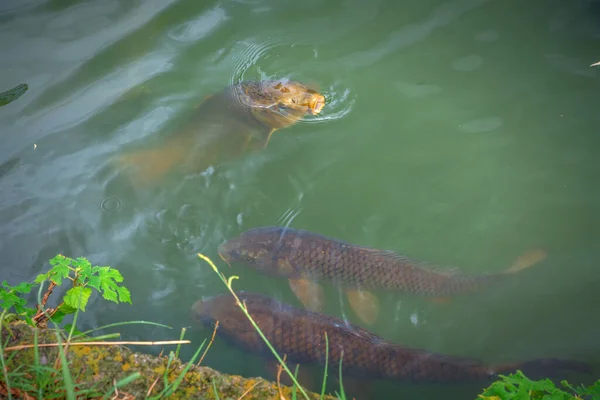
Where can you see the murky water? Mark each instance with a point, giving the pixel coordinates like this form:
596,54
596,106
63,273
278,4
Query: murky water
461,132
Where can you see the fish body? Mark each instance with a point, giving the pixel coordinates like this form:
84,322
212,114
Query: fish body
305,257
300,335
240,118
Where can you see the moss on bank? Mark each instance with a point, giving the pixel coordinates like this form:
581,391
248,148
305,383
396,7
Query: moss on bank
99,367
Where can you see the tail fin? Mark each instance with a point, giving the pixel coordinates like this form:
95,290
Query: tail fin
553,368
526,260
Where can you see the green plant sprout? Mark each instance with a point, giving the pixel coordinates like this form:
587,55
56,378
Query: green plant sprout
83,276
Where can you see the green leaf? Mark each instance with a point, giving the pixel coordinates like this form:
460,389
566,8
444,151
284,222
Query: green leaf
95,282
124,295
78,297
63,311
29,312
68,327
108,278
60,268
23,287
9,299
84,267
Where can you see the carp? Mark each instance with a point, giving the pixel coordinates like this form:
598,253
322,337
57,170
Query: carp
240,118
305,258
299,334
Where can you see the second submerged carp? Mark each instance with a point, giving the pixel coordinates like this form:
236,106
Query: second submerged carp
306,257
300,335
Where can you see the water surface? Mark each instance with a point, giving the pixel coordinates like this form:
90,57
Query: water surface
461,132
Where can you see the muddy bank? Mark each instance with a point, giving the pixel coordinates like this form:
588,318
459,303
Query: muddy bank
99,367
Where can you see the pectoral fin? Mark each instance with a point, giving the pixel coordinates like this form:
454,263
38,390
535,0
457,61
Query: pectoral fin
364,304
308,292
526,260
269,134
197,106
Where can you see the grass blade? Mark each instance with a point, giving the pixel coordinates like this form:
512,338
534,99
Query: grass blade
227,283
120,324
179,345
125,381
4,370
68,380
326,363
215,391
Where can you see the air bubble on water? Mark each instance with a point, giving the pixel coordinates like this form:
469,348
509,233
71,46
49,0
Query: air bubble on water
239,219
414,318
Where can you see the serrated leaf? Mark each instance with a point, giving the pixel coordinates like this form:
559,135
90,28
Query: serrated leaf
20,304
23,287
110,273
41,278
6,295
59,272
95,282
108,278
124,295
77,297
84,267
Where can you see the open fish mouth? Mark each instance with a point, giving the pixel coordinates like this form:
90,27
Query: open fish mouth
317,106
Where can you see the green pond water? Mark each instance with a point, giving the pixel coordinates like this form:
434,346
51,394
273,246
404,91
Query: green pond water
459,132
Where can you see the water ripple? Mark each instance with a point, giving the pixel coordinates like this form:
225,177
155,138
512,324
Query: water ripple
200,27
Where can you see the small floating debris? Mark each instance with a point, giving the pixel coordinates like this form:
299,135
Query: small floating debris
11,95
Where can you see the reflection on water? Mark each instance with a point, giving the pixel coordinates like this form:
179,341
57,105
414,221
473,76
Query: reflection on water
460,132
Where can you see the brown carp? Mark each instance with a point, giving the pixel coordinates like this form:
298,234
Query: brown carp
300,335
306,257
241,117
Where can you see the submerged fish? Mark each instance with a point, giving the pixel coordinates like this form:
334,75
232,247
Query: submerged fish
305,257
300,335
241,117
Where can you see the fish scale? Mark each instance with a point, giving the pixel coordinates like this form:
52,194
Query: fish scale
362,266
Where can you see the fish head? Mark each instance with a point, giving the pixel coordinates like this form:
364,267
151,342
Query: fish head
280,103
222,308
233,324
297,96
258,248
